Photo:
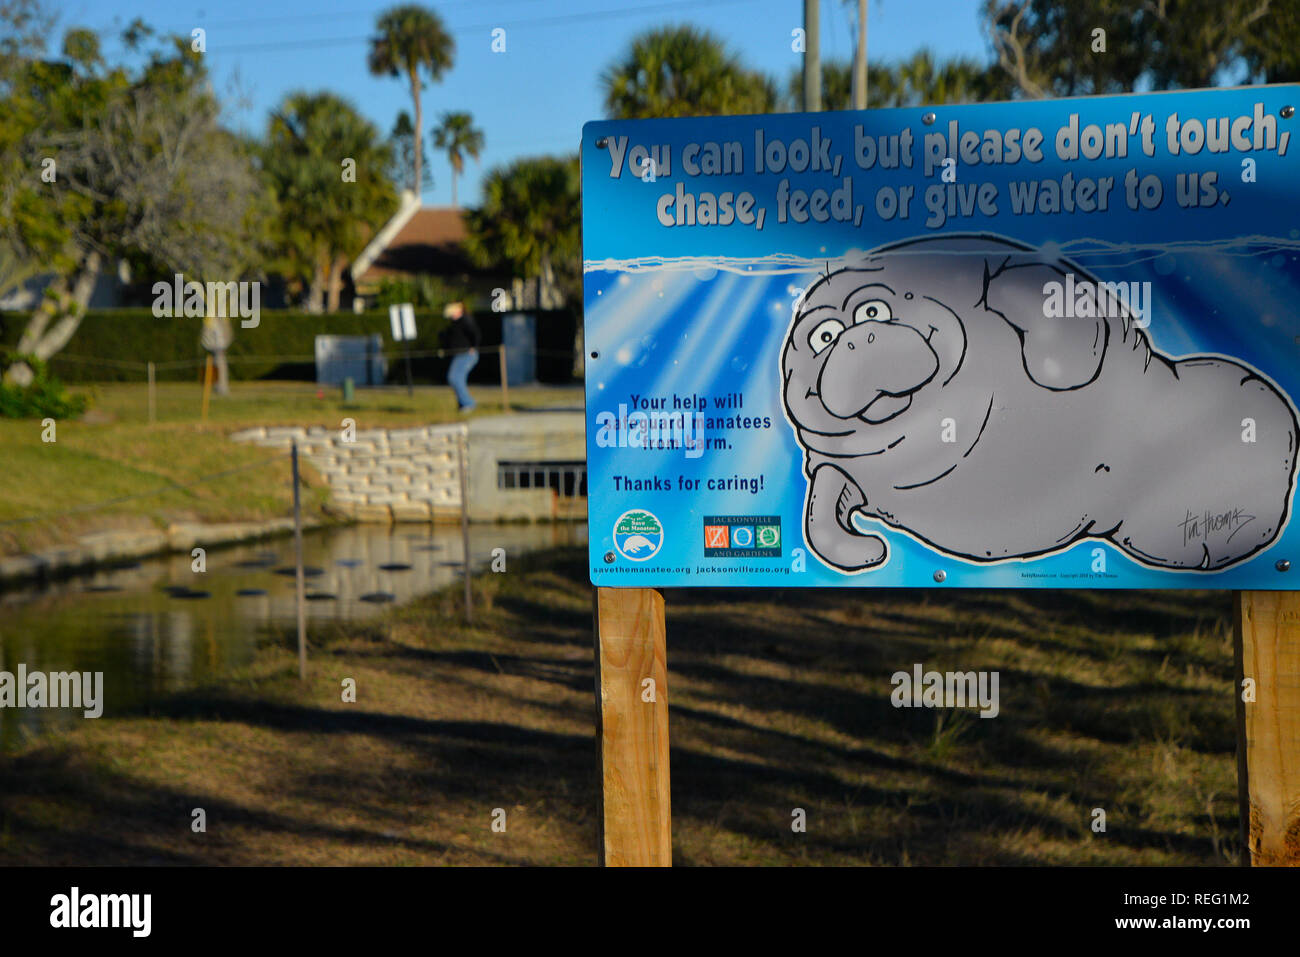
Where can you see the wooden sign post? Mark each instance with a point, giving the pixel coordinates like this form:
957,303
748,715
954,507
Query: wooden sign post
632,728
1268,649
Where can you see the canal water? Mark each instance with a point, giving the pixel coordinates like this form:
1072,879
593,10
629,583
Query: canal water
155,627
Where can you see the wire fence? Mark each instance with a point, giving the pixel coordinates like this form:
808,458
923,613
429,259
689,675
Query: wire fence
152,375
143,366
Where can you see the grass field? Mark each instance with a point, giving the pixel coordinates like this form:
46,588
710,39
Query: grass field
779,700
115,453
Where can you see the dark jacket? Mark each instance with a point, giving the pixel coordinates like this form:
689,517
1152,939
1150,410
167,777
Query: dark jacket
461,334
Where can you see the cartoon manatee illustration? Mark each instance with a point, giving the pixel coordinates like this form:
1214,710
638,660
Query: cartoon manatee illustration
930,391
637,544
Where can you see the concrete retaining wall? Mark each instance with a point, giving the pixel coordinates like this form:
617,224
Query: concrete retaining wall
404,475
410,475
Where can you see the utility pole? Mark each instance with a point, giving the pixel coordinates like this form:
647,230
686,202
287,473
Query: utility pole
812,56
860,60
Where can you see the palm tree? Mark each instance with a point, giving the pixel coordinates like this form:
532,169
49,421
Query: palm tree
403,137
916,81
683,71
410,40
457,135
531,222
956,80
837,86
323,220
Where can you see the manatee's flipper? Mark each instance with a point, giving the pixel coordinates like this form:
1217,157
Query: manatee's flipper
1057,353
828,526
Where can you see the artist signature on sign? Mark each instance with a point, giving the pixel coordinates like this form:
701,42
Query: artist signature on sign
1199,527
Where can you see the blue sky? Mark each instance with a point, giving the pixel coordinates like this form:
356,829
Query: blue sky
530,100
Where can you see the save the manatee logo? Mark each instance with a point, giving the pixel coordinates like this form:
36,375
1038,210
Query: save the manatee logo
638,535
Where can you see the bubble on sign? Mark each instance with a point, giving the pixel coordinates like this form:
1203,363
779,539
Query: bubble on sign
704,273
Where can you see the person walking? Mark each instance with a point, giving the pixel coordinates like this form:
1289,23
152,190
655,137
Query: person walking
461,336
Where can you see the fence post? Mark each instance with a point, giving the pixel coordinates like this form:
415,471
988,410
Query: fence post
462,441
297,548
153,399
207,390
505,377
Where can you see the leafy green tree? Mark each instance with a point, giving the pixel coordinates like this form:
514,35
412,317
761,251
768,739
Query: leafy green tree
104,162
458,136
411,40
683,71
327,166
24,25
1049,48
1270,50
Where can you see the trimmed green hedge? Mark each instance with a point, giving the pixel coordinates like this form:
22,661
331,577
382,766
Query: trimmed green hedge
136,336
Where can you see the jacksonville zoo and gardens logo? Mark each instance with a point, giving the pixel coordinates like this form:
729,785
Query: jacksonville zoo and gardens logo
638,535
742,536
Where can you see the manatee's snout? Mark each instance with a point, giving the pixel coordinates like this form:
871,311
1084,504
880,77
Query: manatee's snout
873,369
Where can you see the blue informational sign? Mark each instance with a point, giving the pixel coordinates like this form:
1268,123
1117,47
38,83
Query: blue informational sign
1052,343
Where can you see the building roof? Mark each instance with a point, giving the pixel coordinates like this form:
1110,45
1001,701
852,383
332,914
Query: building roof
418,239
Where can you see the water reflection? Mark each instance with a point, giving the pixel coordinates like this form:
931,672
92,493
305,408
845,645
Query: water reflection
156,626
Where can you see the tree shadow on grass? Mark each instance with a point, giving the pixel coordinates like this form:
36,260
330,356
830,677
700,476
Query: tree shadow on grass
779,699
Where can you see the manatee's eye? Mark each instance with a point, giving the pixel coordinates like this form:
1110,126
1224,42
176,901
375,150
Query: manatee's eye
825,333
873,310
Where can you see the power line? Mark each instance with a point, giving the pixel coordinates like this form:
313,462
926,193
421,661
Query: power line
336,15
534,21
